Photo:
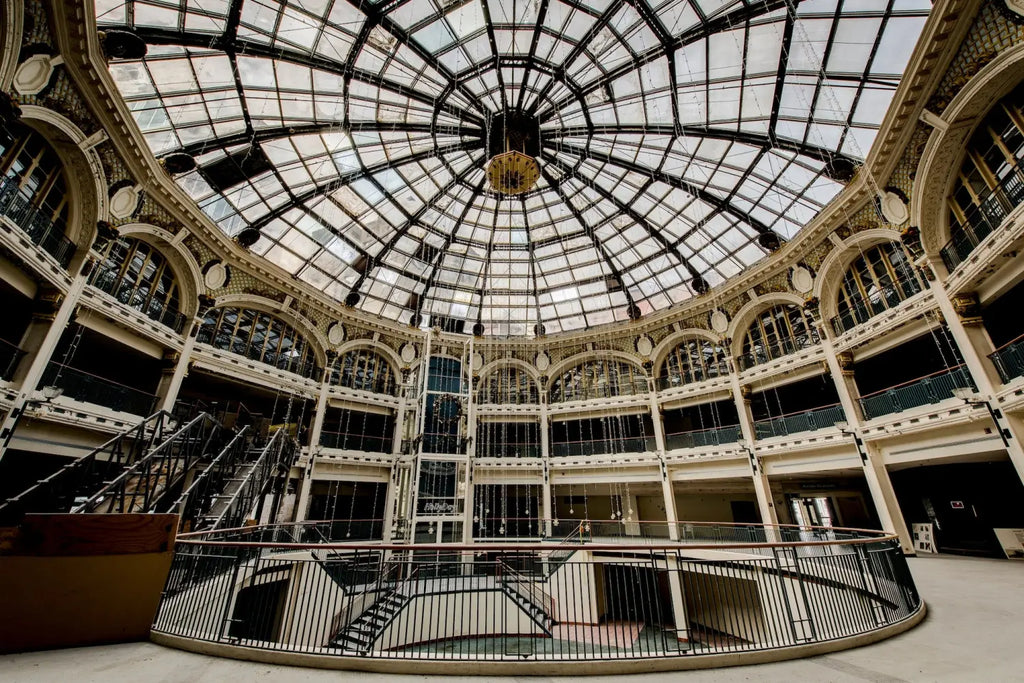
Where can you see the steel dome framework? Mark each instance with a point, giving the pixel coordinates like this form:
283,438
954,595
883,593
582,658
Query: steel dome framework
680,141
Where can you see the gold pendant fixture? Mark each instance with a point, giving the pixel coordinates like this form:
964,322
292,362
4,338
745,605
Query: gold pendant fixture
513,172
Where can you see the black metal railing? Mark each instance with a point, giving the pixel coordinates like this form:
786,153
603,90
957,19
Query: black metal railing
508,449
449,444
919,392
10,356
627,444
80,478
108,281
714,369
84,386
144,486
769,352
282,361
982,219
36,222
888,297
369,443
197,501
712,436
531,601
1009,359
636,386
269,466
803,421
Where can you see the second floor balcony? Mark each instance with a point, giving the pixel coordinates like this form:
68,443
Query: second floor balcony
981,219
89,388
713,436
923,391
1009,359
36,222
108,282
802,421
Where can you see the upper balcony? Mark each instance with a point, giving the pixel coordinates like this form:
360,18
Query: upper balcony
37,222
982,219
923,391
1009,359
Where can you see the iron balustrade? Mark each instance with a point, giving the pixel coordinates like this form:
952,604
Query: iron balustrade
108,281
450,444
272,463
282,361
369,443
77,480
89,388
507,449
1009,359
36,223
889,297
714,369
145,485
519,396
769,352
201,495
803,421
982,219
10,356
628,444
712,436
919,392
609,390
257,588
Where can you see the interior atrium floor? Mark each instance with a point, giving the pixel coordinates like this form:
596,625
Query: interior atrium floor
971,633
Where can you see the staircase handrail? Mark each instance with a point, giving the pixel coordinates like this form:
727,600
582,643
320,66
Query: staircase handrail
277,450
50,494
534,593
158,461
225,462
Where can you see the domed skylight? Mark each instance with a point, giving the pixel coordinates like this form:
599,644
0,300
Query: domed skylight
679,140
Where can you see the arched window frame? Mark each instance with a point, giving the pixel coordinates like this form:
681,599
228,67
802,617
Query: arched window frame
694,359
260,336
777,331
879,278
508,384
363,369
34,191
138,275
600,378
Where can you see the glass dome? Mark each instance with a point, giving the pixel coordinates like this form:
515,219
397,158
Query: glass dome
677,141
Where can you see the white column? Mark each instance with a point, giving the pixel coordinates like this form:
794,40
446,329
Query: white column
47,346
983,372
170,392
669,495
762,489
875,474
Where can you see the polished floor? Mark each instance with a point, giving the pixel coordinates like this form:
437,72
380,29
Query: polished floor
972,633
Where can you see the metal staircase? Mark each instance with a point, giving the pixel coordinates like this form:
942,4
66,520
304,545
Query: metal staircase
392,597
528,596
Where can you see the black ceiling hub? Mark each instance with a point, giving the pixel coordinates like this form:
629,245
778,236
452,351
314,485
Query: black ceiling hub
515,130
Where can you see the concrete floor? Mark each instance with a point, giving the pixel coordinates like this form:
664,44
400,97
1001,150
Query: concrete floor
972,633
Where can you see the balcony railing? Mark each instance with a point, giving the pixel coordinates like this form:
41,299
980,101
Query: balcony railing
610,390
356,442
1009,359
919,392
889,297
83,386
508,397
36,223
508,449
769,352
803,421
629,444
982,219
714,436
10,356
718,369
449,444
107,281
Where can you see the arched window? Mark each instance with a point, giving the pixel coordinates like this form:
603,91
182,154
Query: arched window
990,183
777,331
136,274
259,336
599,379
508,384
33,192
693,360
880,278
366,370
